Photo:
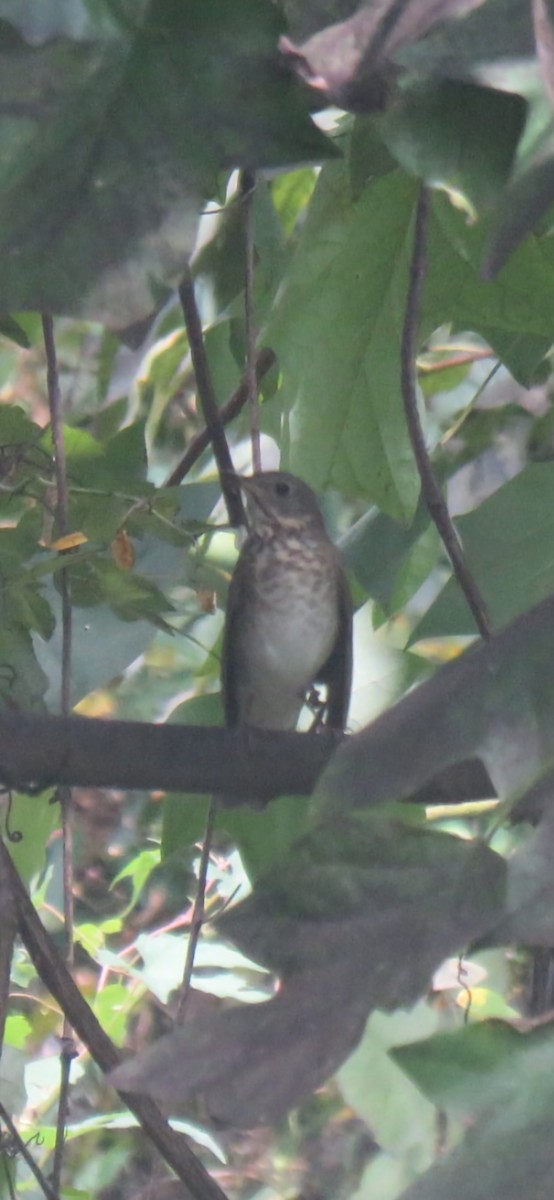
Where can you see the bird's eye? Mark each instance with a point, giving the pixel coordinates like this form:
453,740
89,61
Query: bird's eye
282,488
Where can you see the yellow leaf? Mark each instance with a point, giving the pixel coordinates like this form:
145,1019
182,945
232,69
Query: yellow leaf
69,541
123,550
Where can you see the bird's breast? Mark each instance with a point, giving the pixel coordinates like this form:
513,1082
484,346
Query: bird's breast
293,618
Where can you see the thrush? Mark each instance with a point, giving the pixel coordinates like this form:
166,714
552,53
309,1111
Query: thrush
289,611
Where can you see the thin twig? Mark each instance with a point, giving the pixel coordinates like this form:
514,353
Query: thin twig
64,795
264,360
463,359
50,1192
208,401
197,918
7,939
432,494
450,433
51,969
248,189
68,1053
56,421
196,447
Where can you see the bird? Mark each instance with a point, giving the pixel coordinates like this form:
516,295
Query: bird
288,623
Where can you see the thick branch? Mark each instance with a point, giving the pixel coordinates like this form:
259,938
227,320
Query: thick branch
184,758
131,754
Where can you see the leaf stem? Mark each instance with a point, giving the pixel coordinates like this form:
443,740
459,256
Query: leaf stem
434,499
197,917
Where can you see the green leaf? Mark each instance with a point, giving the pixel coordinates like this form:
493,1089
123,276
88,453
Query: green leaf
98,516
456,136
23,683
385,1177
221,261
219,969
116,228
111,1006
83,452
468,1069
103,645
442,379
138,872
264,837
35,818
368,157
508,542
374,1085
32,610
16,428
345,295
12,1074
125,458
17,1030
11,329
523,354
531,192
131,596
500,1082
291,193
387,558
519,302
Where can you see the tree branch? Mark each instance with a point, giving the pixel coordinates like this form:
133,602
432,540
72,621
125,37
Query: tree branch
7,938
208,401
42,750
197,917
264,360
62,498
248,190
51,1193
50,967
434,499
64,794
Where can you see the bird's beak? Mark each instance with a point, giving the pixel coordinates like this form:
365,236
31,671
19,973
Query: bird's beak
246,484
254,496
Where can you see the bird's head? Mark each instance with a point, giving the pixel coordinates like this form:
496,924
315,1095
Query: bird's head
279,498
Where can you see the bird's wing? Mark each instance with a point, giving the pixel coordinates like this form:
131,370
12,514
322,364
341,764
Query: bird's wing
231,650
337,671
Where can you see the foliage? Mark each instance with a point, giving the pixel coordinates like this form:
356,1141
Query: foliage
122,126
